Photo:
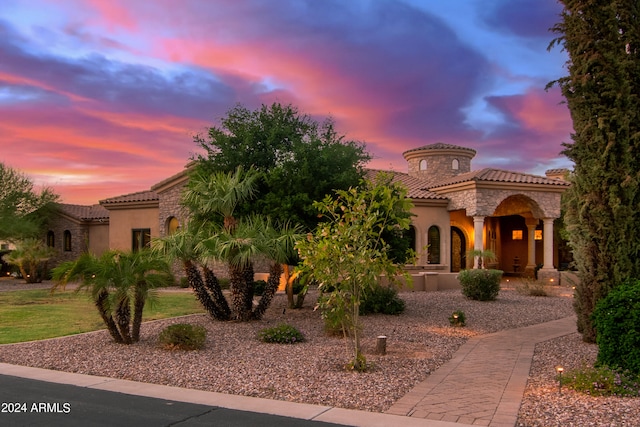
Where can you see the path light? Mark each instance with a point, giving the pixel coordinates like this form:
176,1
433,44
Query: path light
559,370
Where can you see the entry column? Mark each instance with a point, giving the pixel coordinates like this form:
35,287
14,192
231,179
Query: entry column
478,226
547,239
531,244
548,274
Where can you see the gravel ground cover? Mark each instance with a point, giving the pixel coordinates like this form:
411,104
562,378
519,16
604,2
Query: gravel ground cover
419,341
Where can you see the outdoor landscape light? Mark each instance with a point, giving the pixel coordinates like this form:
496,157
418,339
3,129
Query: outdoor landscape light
559,370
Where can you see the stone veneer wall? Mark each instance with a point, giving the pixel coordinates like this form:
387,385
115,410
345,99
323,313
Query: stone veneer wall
439,164
79,239
483,202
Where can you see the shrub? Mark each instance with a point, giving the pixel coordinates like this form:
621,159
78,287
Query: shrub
480,284
616,319
381,299
281,334
458,318
603,381
183,336
258,287
532,288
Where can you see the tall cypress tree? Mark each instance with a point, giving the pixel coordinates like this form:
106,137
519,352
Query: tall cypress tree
602,38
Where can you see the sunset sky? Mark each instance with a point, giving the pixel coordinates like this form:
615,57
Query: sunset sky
100,98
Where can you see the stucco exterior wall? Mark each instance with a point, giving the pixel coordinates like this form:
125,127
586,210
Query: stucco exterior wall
98,238
123,221
425,217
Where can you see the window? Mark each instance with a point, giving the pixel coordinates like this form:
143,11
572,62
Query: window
172,225
51,239
423,165
455,164
433,240
141,238
538,235
67,240
516,235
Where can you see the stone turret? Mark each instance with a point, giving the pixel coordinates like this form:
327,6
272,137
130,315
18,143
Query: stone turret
439,161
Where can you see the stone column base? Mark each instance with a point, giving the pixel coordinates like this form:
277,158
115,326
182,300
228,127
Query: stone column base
549,276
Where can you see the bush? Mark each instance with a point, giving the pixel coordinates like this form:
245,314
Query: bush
458,318
532,288
603,381
480,284
281,334
258,287
183,336
616,319
381,299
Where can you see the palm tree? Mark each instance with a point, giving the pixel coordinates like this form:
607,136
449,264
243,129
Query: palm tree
184,245
31,257
120,283
215,233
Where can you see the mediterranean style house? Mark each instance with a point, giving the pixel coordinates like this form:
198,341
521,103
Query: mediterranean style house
456,210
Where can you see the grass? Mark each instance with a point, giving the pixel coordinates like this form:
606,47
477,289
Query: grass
38,314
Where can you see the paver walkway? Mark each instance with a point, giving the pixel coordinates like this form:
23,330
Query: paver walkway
484,382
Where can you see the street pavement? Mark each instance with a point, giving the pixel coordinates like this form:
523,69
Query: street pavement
28,402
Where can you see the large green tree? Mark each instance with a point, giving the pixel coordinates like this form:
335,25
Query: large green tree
301,160
602,91
22,208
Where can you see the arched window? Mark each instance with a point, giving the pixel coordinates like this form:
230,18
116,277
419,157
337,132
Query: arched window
455,164
433,240
411,235
172,225
51,239
67,240
423,165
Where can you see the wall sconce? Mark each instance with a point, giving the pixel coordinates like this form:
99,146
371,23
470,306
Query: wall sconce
516,235
538,235
559,370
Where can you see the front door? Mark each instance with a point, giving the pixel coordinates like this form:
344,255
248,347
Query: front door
458,250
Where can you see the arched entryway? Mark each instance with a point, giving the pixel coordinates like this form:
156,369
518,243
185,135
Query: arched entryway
458,250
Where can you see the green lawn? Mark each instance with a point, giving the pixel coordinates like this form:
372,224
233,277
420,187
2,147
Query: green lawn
38,314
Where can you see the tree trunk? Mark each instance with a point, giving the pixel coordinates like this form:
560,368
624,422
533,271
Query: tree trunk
195,281
138,307
103,309
239,293
213,286
123,319
269,291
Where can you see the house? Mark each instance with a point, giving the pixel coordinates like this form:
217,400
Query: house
456,209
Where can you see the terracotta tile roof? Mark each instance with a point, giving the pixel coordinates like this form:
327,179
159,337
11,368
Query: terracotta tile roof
440,146
498,175
85,213
417,187
140,196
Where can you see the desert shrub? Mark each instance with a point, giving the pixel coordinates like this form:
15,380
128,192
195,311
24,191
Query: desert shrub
381,299
532,288
281,334
458,318
603,381
616,319
480,284
258,287
184,282
183,336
